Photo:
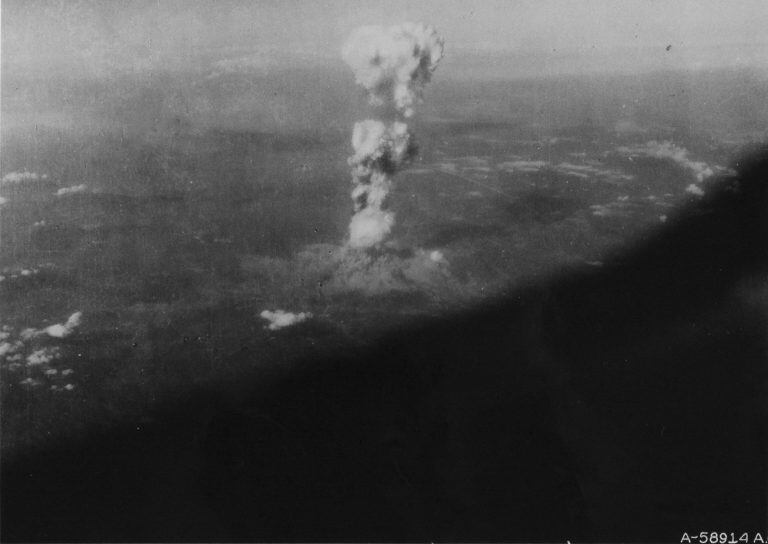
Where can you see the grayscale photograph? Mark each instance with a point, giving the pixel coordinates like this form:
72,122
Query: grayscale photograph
384,271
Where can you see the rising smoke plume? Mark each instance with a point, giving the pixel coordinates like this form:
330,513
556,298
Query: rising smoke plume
393,64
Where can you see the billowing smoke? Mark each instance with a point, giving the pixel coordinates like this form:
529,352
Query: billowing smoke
393,64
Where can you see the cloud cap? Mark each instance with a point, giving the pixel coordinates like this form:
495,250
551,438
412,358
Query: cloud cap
394,63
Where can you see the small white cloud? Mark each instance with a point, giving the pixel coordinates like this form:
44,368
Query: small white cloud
67,372
29,333
280,318
19,177
663,218
29,382
51,372
590,170
72,190
522,166
3,201
437,256
9,348
612,209
74,320
60,330
694,190
5,348
42,356
69,386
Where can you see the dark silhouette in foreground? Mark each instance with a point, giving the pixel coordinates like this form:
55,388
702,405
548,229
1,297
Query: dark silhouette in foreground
621,403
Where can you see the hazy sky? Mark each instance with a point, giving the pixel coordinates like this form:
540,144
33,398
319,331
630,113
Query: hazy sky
94,35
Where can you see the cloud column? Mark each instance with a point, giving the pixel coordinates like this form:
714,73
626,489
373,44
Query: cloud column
393,64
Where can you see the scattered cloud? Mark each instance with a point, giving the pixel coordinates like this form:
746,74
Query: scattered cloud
20,177
437,256
670,151
7,348
618,208
42,356
586,171
57,331
522,166
71,190
29,333
15,274
30,350
601,210
280,319
583,171
60,330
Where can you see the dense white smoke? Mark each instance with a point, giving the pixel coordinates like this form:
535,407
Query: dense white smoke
393,64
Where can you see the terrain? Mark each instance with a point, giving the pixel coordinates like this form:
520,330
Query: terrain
565,336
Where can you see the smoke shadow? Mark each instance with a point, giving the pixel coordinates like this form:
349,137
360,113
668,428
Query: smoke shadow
621,403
